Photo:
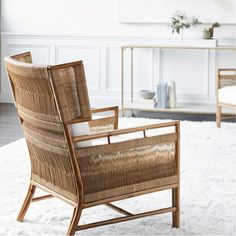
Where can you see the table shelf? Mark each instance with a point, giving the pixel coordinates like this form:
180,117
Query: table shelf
190,108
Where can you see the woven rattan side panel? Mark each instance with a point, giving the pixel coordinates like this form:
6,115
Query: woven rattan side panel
138,164
51,168
128,167
43,129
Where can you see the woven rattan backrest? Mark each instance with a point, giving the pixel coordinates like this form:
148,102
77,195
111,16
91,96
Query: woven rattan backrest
23,57
227,77
71,90
46,98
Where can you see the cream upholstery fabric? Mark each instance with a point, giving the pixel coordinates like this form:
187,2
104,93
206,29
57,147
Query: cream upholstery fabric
227,95
81,129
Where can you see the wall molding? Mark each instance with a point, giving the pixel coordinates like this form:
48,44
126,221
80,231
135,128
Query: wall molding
103,57
97,51
29,45
121,36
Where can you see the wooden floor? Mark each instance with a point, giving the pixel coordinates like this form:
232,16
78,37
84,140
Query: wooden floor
10,129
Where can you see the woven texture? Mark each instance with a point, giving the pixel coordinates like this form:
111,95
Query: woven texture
102,125
50,97
71,91
42,127
23,57
127,167
227,78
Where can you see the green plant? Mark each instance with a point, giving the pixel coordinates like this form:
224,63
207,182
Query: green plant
179,22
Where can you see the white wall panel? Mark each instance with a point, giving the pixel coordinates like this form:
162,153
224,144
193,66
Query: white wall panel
226,59
189,70
143,69
90,55
113,69
41,55
193,71
42,51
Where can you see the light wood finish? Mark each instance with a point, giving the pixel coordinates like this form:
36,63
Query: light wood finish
118,209
223,80
130,195
176,191
73,227
99,110
126,218
139,105
54,194
57,97
27,202
114,109
36,199
122,82
181,108
122,131
179,47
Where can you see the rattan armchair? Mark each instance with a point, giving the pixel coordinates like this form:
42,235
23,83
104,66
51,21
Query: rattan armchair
226,93
49,100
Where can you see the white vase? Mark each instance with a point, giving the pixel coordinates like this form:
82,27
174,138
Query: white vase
171,95
206,34
162,96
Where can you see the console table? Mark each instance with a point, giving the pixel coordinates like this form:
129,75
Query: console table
147,104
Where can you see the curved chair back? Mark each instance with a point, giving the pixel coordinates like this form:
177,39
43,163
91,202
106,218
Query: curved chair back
46,98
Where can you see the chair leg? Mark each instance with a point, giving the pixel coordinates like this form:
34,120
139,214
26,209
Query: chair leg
218,116
75,220
175,203
26,203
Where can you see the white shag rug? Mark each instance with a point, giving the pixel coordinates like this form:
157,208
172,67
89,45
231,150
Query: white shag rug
208,190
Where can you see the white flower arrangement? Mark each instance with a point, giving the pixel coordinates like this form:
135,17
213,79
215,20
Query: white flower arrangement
179,22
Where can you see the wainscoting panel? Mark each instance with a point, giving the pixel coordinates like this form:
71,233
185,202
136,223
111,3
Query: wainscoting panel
194,71
113,70
226,59
41,55
143,69
90,55
189,70
42,51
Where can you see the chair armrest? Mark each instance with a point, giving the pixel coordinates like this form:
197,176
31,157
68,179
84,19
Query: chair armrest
113,119
115,110
78,120
126,131
99,110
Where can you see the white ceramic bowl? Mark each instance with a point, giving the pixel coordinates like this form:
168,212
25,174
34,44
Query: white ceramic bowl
147,94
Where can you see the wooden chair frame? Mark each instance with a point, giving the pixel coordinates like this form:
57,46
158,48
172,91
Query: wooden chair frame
220,105
80,205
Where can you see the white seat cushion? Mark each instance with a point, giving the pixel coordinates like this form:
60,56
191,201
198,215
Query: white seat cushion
227,95
81,129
